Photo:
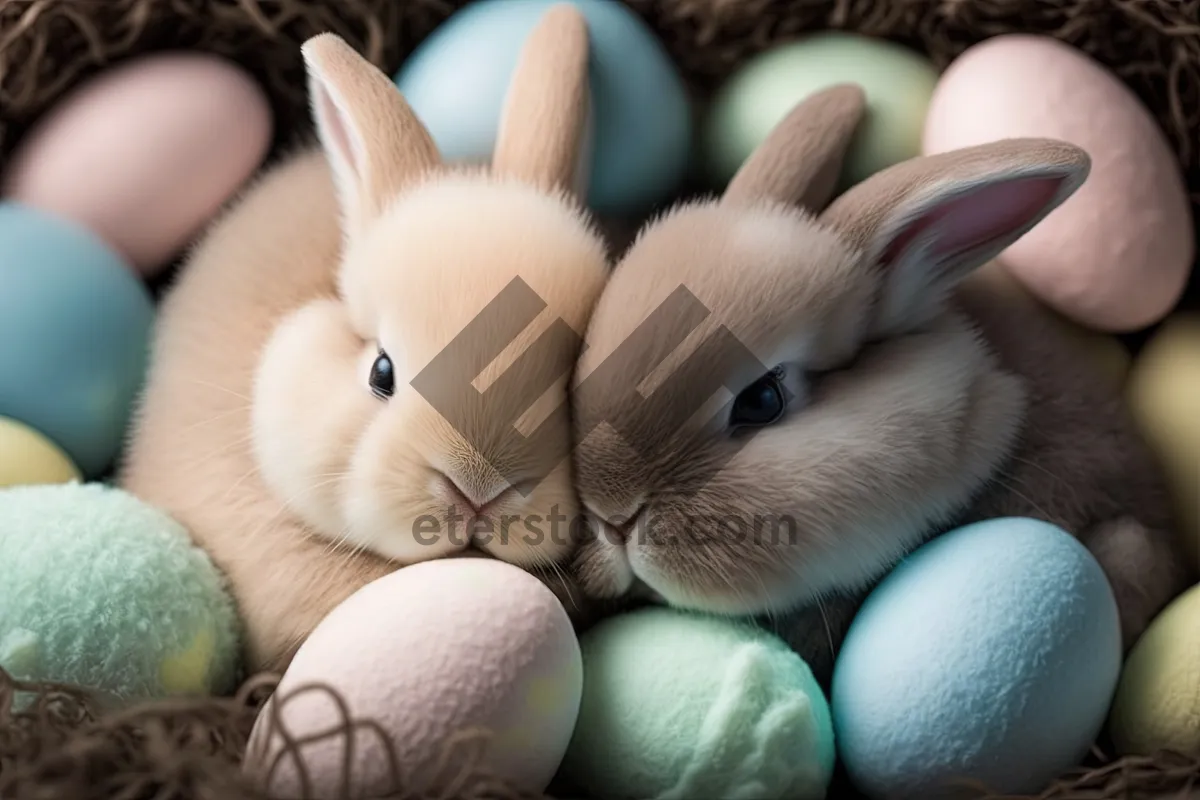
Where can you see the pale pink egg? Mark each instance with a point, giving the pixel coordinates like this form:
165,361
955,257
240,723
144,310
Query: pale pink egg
146,153
1116,255
471,659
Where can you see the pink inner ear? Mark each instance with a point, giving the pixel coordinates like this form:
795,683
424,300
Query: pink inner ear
336,130
977,218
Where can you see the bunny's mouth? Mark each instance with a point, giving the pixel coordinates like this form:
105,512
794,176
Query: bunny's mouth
608,567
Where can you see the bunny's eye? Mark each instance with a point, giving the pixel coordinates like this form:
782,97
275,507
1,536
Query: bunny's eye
382,380
761,403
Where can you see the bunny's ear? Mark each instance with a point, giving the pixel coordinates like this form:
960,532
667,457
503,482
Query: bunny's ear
927,223
546,108
374,142
800,160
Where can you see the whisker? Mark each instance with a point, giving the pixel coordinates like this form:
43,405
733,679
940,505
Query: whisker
227,449
220,388
286,505
233,486
1010,487
559,572
828,629
215,418
765,594
1058,480
1031,463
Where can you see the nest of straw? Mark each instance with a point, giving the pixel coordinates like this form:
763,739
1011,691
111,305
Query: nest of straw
48,46
60,746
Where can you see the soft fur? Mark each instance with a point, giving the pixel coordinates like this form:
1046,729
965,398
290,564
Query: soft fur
259,430
918,399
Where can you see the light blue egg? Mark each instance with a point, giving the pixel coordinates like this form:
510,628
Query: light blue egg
640,126
75,324
991,653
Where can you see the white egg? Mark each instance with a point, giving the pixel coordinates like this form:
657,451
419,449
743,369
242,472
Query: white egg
456,656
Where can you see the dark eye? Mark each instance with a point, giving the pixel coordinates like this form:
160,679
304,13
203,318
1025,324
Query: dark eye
382,380
761,403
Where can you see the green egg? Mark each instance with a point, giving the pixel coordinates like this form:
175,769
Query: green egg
898,83
102,591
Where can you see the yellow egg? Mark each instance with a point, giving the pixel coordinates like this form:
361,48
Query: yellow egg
1157,704
28,457
1164,394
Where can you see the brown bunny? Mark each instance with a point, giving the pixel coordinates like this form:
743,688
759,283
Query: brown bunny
280,423
875,395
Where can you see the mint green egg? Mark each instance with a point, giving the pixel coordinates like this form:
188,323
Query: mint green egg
898,83
678,706
100,590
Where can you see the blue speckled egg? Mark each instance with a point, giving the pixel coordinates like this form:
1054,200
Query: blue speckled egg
75,323
990,654
640,126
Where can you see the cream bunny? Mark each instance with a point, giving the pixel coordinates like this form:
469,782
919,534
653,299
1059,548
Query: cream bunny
281,423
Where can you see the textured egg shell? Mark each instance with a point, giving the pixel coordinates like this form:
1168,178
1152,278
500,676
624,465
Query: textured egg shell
898,83
146,153
27,457
83,322
429,652
679,705
104,591
1158,700
991,653
1115,256
1164,395
640,116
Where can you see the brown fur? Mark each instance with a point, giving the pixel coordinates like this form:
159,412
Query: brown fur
800,161
258,428
923,400
190,450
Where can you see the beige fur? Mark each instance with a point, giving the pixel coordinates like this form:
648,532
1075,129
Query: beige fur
800,160
259,430
920,401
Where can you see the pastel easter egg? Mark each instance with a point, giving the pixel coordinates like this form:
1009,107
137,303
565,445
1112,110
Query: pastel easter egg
469,653
146,153
990,654
681,705
1163,389
1115,256
898,83
28,458
640,115
1158,700
76,324
101,590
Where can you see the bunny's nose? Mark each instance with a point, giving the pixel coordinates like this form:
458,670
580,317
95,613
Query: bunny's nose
473,499
619,530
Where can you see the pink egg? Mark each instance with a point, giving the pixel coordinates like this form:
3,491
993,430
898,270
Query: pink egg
146,153
1116,255
467,658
